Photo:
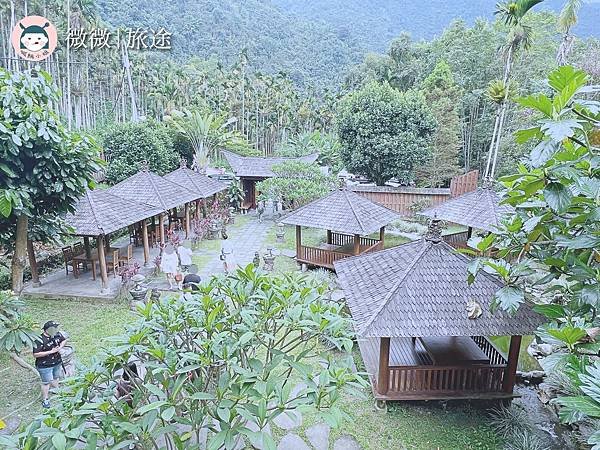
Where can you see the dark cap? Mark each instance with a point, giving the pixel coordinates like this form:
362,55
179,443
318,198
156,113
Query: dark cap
50,323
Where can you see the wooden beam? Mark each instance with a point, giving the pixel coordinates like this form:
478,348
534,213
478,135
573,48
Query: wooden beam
102,258
384,365
329,236
161,228
145,241
298,240
186,210
382,236
357,244
35,278
510,375
87,246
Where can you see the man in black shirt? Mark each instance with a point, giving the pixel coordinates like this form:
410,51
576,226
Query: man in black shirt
47,358
192,279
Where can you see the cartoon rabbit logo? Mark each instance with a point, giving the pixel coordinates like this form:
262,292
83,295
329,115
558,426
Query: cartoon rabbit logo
34,38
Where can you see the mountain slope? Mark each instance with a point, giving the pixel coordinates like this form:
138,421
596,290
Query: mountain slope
376,22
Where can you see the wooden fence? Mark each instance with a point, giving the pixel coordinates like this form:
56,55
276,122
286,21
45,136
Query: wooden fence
404,199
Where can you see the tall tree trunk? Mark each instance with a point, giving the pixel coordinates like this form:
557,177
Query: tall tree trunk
127,67
20,254
69,108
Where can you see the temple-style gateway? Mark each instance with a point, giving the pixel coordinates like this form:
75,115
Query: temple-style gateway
252,169
349,219
422,330
479,209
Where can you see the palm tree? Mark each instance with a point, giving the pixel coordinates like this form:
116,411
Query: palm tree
566,20
207,134
519,37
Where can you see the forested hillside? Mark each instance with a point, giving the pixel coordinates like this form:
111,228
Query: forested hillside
375,23
275,41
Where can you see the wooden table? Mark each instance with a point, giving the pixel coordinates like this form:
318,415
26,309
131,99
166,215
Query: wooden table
451,351
92,260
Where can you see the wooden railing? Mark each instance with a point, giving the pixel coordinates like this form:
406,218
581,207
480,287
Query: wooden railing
457,239
345,239
319,256
427,380
496,357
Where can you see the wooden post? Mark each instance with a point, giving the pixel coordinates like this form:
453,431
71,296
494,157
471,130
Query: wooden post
186,210
102,258
384,365
357,244
382,237
161,226
107,243
510,375
88,248
145,241
329,236
469,232
197,213
298,240
35,278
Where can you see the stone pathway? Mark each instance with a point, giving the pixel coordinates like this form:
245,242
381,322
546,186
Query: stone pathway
245,240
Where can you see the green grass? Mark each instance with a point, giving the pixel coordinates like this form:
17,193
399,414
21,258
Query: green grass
526,362
87,324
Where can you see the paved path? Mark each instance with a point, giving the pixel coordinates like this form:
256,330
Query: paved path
245,241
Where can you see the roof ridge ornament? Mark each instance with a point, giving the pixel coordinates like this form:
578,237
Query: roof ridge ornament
183,163
434,231
145,166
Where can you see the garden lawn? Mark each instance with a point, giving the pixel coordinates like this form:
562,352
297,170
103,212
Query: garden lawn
87,324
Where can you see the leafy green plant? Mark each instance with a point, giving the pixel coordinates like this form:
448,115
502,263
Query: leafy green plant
296,183
548,250
222,361
235,194
128,145
16,330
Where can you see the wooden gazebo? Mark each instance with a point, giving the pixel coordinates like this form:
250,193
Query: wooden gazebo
99,213
203,186
479,209
349,219
252,169
422,329
152,189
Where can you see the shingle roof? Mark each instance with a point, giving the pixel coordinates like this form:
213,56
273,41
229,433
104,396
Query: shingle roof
202,185
256,166
101,212
343,211
480,209
148,187
420,289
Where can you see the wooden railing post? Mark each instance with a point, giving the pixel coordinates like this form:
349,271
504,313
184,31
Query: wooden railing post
298,241
329,236
384,365
145,242
510,374
356,244
382,237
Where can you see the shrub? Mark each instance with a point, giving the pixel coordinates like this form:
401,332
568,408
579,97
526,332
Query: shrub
127,145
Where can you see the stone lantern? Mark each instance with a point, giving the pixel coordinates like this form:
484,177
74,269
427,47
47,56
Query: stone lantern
280,233
269,260
138,291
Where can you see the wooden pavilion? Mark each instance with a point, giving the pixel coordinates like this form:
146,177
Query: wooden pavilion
99,213
349,219
479,209
203,186
422,329
252,169
152,189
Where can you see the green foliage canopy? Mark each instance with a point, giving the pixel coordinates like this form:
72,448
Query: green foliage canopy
384,133
128,145
220,360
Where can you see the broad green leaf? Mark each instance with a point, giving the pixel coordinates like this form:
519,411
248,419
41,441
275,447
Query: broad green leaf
151,406
579,242
568,334
582,404
551,311
5,206
539,102
509,298
543,152
59,441
560,129
558,197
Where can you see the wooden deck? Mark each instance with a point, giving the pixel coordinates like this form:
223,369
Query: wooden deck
414,376
341,246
